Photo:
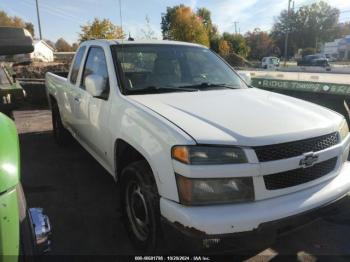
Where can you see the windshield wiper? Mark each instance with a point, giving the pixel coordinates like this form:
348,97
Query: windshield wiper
207,85
155,89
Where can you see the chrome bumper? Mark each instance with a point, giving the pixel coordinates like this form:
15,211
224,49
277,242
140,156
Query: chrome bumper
42,230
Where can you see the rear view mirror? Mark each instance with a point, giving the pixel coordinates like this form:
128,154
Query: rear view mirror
95,85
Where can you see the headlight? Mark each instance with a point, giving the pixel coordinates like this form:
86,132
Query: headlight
194,191
208,155
343,130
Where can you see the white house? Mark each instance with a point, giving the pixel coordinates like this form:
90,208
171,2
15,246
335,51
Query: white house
43,52
330,49
339,48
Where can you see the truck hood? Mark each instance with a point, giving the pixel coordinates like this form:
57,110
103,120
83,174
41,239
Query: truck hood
245,117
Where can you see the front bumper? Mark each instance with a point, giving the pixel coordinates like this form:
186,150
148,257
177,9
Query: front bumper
261,237
212,221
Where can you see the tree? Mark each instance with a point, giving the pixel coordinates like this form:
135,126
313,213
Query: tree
211,28
50,43
148,31
260,44
343,29
180,23
63,46
223,47
309,26
237,44
75,47
100,29
6,20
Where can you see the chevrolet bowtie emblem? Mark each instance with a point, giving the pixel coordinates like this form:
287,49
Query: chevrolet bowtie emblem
308,160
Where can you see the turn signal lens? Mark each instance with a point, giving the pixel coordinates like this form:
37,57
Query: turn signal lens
181,154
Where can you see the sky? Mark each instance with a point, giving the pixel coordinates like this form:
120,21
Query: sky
63,18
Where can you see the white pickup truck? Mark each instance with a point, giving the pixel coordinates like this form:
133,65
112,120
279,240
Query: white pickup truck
199,155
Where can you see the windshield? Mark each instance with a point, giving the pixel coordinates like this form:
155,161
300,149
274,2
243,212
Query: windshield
172,68
274,61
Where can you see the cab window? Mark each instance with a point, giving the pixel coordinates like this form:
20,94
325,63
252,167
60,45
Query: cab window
76,65
96,64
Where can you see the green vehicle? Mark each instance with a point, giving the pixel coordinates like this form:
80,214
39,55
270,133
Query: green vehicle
24,232
13,41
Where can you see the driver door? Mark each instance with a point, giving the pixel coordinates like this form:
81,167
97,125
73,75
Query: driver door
94,111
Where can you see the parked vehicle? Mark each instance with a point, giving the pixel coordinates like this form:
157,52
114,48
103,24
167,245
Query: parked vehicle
198,154
313,60
24,231
270,63
12,41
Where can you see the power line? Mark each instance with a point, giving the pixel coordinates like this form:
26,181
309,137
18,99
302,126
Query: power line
236,23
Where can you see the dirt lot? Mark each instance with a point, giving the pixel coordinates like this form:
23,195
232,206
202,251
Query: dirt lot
81,200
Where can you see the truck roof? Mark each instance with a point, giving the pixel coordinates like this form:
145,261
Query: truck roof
138,42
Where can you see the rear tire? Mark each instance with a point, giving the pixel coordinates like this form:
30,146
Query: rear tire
61,135
140,203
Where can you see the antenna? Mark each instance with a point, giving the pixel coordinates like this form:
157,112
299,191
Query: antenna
130,38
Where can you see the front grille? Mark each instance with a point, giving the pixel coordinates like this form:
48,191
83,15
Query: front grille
299,176
296,148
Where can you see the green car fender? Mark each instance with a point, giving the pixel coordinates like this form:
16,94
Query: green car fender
9,181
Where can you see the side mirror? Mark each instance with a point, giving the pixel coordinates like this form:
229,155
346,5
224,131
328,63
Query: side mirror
95,85
246,77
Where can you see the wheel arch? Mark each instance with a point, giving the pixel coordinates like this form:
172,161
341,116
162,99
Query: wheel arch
125,154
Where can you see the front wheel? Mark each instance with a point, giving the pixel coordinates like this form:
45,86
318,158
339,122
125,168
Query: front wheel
140,202
61,135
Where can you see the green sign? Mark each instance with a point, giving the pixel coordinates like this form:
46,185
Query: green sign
316,87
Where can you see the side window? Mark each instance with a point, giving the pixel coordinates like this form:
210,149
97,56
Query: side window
76,65
96,64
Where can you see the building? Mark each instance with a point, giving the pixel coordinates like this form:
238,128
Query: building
43,52
344,48
338,49
330,49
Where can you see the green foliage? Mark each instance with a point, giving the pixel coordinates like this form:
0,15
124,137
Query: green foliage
180,23
100,29
6,20
309,26
237,44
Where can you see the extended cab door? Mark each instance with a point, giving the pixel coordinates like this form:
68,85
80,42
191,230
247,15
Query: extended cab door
94,111
69,96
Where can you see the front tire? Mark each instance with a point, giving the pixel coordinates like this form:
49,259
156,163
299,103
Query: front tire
140,202
61,135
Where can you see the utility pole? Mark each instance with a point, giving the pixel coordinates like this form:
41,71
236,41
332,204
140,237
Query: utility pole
287,35
236,23
38,14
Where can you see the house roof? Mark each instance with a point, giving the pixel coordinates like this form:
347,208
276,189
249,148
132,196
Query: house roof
46,44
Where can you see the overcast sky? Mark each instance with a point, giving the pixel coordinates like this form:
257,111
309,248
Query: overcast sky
62,18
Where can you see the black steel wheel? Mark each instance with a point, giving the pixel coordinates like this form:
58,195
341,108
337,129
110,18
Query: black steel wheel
140,202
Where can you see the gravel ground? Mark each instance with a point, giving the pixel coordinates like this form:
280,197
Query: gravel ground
81,199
